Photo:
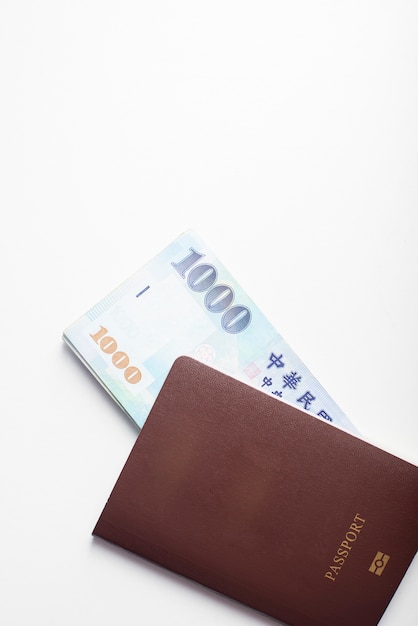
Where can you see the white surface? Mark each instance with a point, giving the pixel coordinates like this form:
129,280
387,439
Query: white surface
286,134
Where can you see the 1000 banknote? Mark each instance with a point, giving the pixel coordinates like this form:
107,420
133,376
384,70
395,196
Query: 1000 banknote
184,302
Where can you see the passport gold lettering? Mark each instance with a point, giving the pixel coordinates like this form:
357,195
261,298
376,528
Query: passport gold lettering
338,560
120,359
342,552
344,548
219,297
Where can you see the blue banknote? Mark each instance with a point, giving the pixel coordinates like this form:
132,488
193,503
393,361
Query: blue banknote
185,302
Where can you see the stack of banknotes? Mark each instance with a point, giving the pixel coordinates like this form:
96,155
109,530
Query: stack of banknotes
185,302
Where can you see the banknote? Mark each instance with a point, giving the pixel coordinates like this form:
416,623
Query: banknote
185,302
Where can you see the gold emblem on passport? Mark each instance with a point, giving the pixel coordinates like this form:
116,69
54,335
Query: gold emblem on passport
379,563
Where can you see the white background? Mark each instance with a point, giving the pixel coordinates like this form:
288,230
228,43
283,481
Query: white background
286,135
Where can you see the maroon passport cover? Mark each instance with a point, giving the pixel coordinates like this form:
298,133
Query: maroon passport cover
265,503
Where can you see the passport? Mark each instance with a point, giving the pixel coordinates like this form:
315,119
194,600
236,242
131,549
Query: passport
264,503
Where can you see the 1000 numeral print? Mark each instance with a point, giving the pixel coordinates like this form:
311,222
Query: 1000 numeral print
218,297
120,359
